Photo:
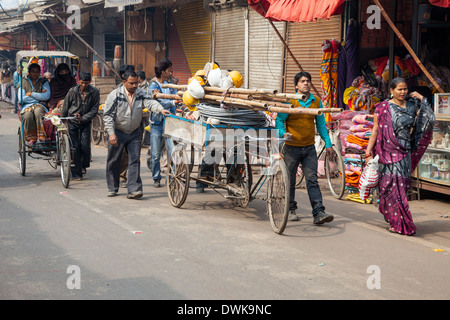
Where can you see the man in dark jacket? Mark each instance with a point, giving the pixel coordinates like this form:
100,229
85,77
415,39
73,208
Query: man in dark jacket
81,102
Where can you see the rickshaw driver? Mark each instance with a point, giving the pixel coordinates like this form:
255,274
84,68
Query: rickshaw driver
33,92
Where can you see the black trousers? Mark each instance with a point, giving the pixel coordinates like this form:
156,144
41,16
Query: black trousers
132,143
80,135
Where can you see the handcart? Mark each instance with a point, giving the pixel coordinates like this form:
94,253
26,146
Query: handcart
57,149
236,150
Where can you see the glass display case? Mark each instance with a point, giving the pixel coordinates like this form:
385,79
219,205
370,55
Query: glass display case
435,163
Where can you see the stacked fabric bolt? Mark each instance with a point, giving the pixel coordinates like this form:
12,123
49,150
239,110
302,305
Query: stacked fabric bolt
356,143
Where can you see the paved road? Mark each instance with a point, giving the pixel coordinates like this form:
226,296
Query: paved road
76,243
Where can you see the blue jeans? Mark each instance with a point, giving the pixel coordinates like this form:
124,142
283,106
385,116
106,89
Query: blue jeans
307,156
16,102
156,137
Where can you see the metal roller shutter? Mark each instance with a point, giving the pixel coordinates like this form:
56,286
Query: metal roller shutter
229,44
265,53
190,43
305,41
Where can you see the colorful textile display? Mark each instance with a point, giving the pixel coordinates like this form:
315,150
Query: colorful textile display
329,75
403,67
361,96
348,66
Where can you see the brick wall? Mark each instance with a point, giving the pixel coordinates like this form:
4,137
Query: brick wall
377,38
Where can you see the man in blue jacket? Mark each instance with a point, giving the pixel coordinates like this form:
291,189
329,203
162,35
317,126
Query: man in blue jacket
163,71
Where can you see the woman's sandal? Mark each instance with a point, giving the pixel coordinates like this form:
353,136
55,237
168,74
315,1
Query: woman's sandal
391,230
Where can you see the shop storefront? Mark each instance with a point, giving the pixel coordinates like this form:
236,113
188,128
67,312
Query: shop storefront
382,57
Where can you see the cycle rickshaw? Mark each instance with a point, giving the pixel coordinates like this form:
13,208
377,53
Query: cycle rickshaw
57,149
243,152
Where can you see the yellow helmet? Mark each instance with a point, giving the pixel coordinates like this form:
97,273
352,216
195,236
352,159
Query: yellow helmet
200,79
189,100
200,73
236,77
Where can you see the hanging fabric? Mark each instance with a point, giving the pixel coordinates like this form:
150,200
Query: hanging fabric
329,75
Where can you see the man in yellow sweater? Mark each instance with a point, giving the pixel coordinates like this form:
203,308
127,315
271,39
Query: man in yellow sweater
299,147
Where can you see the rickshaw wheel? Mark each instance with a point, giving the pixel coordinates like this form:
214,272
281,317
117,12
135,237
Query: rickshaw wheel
64,155
22,154
96,129
178,176
278,198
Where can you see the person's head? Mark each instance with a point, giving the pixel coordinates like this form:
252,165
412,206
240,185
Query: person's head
302,82
398,89
130,81
163,69
141,76
62,70
124,68
85,80
34,71
48,76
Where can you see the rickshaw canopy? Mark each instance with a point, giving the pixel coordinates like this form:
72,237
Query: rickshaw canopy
43,54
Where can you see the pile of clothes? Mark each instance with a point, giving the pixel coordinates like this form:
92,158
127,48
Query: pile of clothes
362,96
355,130
404,67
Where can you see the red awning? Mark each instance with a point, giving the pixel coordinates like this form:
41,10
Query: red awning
441,3
297,10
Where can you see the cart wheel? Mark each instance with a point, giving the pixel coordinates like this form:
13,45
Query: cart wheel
242,177
278,198
96,129
178,176
299,177
64,156
22,154
335,173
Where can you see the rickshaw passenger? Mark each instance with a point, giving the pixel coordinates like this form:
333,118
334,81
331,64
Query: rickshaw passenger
33,92
60,84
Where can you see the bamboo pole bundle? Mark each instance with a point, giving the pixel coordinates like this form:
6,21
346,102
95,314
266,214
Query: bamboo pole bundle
256,99
248,104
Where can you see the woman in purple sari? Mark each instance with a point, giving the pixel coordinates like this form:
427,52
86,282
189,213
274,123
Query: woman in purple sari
403,128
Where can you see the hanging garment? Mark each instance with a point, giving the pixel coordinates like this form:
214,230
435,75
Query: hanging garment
329,75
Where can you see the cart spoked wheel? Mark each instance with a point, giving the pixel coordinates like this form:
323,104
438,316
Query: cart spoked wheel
335,173
243,180
178,176
278,197
96,129
65,158
22,154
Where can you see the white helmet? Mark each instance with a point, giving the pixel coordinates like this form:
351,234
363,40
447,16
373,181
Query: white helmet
195,89
214,77
226,82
